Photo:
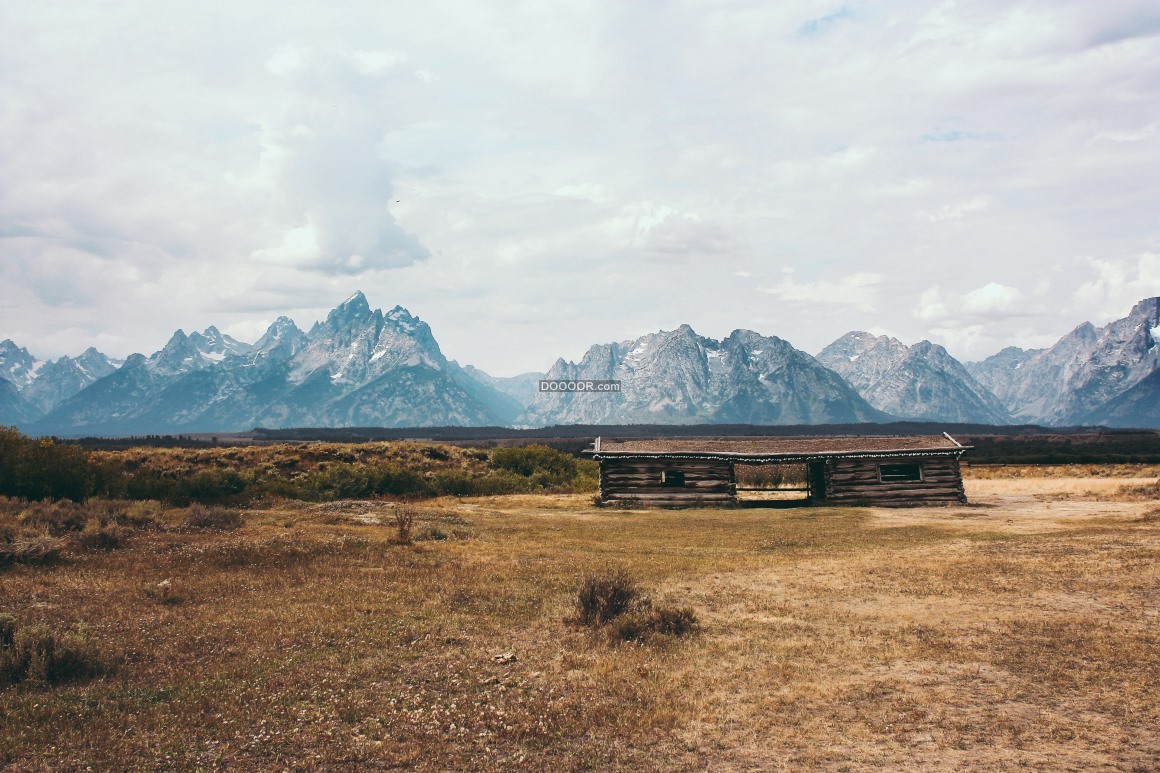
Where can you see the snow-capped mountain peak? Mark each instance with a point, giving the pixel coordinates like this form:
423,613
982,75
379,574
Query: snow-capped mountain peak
678,377
17,365
1089,368
922,381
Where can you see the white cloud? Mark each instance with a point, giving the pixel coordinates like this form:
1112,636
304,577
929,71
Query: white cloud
594,192
376,62
477,161
1118,284
932,306
1129,135
979,322
858,289
956,211
993,298
990,302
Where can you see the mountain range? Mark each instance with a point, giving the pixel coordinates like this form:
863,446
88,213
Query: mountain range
364,367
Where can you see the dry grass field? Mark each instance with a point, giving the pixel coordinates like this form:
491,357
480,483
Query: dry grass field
1020,631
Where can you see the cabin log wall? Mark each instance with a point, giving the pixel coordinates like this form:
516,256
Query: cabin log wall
634,481
856,481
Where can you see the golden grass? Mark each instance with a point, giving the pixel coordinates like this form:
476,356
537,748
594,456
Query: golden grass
1104,483
1078,471
1019,631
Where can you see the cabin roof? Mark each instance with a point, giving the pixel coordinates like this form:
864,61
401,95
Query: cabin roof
764,449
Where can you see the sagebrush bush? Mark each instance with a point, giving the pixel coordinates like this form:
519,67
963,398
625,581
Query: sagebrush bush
198,516
404,518
614,601
642,624
29,548
38,655
430,533
603,597
108,536
60,517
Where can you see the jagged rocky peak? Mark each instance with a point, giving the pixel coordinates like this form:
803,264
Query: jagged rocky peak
186,353
354,312
59,379
922,381
757,347
96,363
282,335
403,318
1147,310
215,344
853,345
1071,381
355,344
863,358
410,326
16,364
177,354
676,377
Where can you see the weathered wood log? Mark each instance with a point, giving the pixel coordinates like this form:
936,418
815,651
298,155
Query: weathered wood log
669,491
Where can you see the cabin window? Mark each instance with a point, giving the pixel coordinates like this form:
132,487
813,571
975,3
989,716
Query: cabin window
672,478
890,473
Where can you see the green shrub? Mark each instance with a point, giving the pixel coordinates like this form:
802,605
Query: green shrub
545,466
42,468
139,515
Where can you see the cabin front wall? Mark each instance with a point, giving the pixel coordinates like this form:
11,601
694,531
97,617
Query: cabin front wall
861,481
652,482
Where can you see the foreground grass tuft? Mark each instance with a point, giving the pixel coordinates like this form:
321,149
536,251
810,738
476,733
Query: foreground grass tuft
614,600
213,518
39,656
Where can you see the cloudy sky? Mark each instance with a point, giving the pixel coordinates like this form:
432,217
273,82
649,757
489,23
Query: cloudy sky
533,178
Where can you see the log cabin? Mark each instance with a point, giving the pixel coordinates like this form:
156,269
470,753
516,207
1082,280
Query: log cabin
889,471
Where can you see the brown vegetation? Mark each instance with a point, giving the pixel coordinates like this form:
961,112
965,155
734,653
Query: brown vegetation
1020,631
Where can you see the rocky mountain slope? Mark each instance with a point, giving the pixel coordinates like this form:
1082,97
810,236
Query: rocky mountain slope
922,382
364,367
1083,376
14,409
521,388
678,377
35,387
358,367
